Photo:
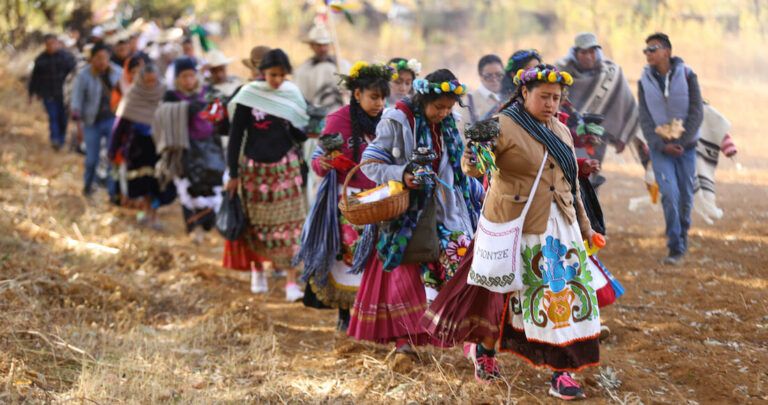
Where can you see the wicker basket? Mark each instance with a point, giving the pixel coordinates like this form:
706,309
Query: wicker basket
374,212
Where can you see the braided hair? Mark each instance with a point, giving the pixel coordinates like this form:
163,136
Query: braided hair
373,78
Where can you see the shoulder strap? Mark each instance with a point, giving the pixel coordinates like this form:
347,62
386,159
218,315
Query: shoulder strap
535,184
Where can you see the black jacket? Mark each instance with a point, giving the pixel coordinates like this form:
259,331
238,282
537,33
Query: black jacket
49,73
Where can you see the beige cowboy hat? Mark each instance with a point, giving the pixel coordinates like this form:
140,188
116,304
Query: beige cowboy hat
319,34
257,53
215,58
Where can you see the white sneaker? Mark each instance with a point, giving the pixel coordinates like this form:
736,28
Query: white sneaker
293,293
259,282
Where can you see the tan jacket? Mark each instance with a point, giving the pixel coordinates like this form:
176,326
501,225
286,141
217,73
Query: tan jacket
518,156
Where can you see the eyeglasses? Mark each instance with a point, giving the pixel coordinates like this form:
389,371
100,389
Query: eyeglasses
492,76
652,49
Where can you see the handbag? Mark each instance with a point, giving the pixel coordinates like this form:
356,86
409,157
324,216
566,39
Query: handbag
204,165
497,263
424,246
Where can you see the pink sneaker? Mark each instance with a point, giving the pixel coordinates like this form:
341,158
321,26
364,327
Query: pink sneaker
563,386
486,367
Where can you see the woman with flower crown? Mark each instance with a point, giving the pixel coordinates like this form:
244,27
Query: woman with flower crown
401,85
329,241
418,144
553,321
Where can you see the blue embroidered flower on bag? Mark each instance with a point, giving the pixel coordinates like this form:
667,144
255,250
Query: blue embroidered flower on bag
556,273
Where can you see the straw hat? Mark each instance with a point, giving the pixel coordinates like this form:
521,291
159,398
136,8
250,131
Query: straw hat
215,58
319,34
257,53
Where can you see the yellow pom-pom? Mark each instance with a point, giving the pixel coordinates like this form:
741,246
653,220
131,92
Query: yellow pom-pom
519,73
459,90
538,76
552,77
445,87
395,76
567,78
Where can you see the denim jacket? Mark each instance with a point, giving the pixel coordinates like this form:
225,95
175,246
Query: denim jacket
86,93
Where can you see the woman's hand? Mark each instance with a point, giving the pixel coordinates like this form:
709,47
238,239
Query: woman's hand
324,162
410,181
469,154
590,166
232,186
588,237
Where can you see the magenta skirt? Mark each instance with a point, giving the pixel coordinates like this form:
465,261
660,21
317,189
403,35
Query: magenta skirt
389,305
463,312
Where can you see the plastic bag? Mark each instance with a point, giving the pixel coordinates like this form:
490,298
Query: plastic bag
230,220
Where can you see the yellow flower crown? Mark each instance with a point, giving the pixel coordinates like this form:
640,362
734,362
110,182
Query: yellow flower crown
543,75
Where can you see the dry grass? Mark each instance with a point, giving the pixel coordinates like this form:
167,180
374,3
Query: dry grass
96,310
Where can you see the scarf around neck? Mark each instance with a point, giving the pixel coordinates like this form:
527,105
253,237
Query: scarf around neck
286,102
140,102
559,150
672,102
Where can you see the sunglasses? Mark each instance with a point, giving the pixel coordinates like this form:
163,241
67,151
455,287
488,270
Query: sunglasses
492,76
652,49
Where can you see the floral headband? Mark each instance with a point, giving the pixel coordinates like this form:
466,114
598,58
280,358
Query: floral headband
412,64
543,75
424,86
362,68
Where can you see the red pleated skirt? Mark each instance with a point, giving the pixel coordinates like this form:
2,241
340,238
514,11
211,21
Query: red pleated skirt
389,305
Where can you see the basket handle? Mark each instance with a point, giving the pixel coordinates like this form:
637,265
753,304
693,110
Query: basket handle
352,173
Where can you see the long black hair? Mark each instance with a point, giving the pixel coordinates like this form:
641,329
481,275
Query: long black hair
362,123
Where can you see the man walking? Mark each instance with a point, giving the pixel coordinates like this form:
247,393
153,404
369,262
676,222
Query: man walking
90,103
318,82
671,112
47,83
599,87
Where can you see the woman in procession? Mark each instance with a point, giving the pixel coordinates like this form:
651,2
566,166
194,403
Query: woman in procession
553,321
268,118
132,142
199,186
327,262
401,85
418,251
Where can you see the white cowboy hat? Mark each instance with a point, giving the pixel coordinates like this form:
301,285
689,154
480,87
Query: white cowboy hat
319,34
215,58
170,35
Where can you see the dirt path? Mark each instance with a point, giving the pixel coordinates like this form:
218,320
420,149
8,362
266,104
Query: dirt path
96,309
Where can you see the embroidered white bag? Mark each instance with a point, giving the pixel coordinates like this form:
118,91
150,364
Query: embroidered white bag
497,263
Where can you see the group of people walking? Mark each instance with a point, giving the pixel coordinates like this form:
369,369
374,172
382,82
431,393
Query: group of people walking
290,150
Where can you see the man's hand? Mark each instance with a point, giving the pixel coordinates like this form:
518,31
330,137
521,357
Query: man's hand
673,149
619,145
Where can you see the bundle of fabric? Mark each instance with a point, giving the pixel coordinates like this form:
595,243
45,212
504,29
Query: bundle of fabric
169,132
320,240
714,139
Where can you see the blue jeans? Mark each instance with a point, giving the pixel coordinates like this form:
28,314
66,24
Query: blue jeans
57,120
93,135
676,176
